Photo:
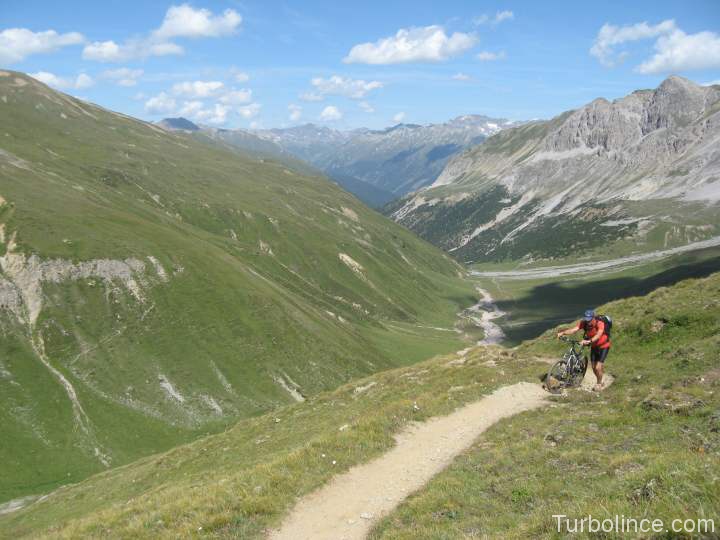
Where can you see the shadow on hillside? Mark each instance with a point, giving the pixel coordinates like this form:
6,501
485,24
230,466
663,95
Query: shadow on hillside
565,301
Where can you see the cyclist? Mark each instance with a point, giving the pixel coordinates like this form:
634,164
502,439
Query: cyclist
595,336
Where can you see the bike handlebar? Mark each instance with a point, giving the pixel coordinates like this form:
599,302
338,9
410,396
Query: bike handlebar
568,340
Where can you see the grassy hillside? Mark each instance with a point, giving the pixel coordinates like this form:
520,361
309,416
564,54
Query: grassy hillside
648,446
609,451
155,288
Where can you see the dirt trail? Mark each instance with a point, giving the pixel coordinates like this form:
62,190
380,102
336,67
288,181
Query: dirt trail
589,381
352,503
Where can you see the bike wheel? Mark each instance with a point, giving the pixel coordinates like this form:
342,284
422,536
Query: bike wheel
556,378
577,374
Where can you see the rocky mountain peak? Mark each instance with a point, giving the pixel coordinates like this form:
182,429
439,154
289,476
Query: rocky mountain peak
609,126
179,123
675,103
600,124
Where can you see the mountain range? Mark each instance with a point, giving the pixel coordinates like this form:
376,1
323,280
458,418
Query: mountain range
376,165
399,159
634,174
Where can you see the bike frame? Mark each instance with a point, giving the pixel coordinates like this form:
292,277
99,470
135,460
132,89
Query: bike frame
573,357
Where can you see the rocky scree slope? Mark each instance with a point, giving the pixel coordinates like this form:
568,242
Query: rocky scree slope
641,172
154,287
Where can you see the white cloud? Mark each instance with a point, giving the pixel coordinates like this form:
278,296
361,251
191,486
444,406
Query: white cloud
180,21
425,44
674,49
225,99
236,97
609,36
365,106
127,82
105,51
84,81
330,113
679,51
461,77
50,79
249,111
344,86
499,17
190,108
163,49
712,83
311,96
217,114
196,94
239,76
123,76
109,51
506,15
254,124
196,110
186,21
16,44
197,89
81,81
160,104
399,117
295,112
488,56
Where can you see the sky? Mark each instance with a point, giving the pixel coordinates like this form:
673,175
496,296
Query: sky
263,64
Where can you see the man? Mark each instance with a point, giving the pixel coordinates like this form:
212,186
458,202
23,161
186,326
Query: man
595,336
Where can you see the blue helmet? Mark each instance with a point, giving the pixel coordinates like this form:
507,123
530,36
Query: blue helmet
589,315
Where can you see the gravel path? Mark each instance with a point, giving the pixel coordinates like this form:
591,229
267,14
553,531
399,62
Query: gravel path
352,503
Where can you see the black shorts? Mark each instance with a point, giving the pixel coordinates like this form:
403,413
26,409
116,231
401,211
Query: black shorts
599,355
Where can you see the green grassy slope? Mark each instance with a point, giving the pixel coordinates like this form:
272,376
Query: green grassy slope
155,288
648,446
586,450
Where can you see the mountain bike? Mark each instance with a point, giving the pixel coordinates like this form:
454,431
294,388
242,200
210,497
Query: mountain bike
569,371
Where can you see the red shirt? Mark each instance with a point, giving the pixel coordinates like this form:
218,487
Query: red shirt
592,329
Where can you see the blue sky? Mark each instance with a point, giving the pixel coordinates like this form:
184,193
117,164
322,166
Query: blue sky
352,64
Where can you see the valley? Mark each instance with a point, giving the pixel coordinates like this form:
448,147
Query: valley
377,166
156,288
537,298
